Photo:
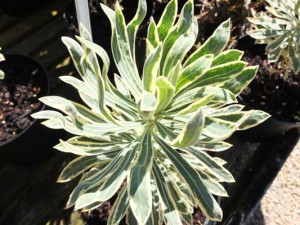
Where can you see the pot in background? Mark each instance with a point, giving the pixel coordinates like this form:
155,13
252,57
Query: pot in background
34,143
274,126
269,129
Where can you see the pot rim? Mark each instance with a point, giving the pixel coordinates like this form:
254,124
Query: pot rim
43,72
292,124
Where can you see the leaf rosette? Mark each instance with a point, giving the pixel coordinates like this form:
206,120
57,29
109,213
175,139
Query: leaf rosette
279,28
148,136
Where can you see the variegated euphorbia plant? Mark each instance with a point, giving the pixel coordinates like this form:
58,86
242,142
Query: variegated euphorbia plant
147,137
279,28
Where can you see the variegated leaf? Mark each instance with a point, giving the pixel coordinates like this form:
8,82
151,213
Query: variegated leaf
76,52
79,150
170,213
254,118
139,185
56,120
155,217
239,82
151,69
227,56
76,167
217,130
196,105
180,48
191,131
99,129
204,199
219,74
211,165
174,73
212,147
214,44
119,208
133,25
122,54
165,92
182,100
101,53
194,71
152,37
108,187
167,20
182,26
213,186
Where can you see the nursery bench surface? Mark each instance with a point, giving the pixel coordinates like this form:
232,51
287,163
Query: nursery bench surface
30,194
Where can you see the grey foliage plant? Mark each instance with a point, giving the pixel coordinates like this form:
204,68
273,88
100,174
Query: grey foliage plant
147,138
279,28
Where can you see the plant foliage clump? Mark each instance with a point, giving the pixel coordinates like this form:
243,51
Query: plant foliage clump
148,136
279,28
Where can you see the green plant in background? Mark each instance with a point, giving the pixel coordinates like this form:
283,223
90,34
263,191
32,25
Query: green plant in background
147,138
279,28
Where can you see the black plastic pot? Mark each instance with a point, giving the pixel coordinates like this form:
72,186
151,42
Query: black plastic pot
269,129
272,127
35,143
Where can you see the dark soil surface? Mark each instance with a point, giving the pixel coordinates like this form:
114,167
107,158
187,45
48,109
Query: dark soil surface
100,215
274,90
19,92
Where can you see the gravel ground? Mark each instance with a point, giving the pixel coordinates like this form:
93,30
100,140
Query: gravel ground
281,203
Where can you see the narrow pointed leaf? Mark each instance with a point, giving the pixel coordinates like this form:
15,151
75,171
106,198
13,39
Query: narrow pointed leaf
76,52
132,27
167,19
119,208
194,71
239,82
182,26
295,59
84,32
139,188
76,167
151,69
170,213
101,53
255,117
219,74
196,105
191,131
152,35
227,56
205,200
213,186
211,165
214,44
85,200
174,74
180,48
165,92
